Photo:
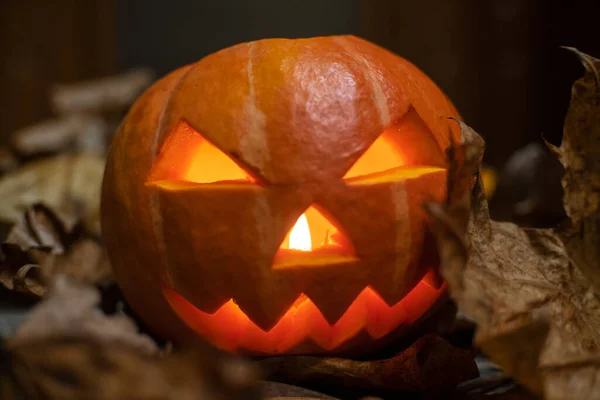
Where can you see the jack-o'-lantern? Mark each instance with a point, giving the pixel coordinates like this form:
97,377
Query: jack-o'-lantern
268,198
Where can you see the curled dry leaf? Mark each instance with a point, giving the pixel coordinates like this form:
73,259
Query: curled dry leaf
531,291
41,228
429,365
44,244
69,184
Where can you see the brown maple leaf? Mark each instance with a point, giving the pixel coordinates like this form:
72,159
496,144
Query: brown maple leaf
533,292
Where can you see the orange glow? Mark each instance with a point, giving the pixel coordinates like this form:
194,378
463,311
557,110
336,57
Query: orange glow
299,238
212,165
317,229
188,156
230,329
314,241
393,175
380,156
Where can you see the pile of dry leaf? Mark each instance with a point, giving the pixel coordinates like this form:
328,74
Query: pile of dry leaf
531,295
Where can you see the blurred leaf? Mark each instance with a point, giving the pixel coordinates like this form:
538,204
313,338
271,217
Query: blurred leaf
103,94
70,309
529,192
8,161
41,228
533,294
85,133
67,349
69,184
43,245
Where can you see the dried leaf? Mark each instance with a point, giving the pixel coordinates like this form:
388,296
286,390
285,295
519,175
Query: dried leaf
69,184
21,277
430,364
8,161
580,155
43,245
70,310
68,349
71,133
41,228
110,93
537,313
580,149
85,261
73,369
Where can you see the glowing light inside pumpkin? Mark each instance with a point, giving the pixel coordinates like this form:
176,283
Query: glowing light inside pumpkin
303,325
314,241
300,235
211,165
188,156
382,155
313,231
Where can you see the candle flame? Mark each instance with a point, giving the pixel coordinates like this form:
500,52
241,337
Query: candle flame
300,235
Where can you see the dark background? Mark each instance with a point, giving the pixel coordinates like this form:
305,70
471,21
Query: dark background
499,60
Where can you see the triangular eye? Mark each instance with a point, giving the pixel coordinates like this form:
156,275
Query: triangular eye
314,240
380,156
187,156
210,165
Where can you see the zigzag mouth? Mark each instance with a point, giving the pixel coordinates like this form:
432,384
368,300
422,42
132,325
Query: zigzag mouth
229,328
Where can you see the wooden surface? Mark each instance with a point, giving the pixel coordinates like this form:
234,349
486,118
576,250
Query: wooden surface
481,54
44,42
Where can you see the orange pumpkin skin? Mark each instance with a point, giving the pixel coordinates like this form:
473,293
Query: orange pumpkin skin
197,258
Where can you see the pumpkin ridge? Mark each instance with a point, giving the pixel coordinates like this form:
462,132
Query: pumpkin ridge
378,93
254,140
154,198
161,117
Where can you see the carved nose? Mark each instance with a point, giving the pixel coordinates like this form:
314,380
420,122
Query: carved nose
314,240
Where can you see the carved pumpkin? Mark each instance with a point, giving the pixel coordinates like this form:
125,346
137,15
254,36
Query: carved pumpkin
269,197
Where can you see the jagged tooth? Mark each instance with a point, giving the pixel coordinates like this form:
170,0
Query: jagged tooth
266,306
333,300
394,290
386,292
198,296
400,273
